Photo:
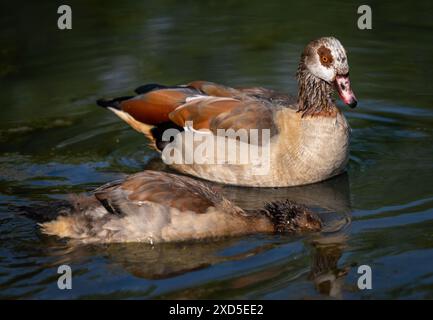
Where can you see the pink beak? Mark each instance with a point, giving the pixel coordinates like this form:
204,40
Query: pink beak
342,83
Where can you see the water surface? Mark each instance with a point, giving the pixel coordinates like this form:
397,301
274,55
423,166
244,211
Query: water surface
55,141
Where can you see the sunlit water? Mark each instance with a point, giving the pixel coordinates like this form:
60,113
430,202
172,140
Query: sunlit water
55,141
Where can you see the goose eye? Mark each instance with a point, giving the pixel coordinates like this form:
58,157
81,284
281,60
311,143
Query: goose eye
324,59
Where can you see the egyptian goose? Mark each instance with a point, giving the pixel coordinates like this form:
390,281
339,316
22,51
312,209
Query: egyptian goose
156,207
298,141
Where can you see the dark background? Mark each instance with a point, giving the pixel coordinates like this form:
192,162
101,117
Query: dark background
54,141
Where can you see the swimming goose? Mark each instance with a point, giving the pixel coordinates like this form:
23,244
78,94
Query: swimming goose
157,207
290,141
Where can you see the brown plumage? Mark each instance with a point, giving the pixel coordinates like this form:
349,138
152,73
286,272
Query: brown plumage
157,207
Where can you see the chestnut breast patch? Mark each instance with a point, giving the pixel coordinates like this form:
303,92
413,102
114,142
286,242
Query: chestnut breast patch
325,56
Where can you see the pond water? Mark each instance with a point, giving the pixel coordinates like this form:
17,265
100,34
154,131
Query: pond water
54,141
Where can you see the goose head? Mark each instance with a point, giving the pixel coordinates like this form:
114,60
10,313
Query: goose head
290,217
325,59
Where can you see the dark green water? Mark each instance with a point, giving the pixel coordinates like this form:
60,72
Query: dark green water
54,141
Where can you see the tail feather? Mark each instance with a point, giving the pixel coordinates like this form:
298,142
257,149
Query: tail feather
112,103
85,219
62,227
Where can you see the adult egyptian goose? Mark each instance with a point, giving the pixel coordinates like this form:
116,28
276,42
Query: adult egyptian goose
157,207
289,142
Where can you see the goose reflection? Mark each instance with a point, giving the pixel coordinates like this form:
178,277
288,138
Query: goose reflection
327,276
317,262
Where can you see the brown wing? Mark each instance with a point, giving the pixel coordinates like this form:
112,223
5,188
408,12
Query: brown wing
206,104
226,113
154,102
167,189
154,107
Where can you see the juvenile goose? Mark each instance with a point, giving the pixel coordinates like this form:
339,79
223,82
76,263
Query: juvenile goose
157,207
308,136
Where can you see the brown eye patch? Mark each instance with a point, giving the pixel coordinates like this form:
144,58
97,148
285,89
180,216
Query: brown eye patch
325,56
